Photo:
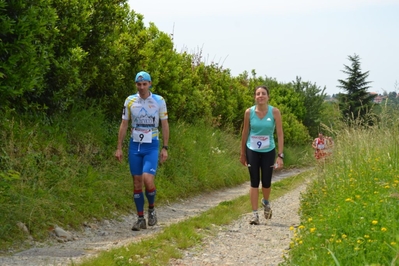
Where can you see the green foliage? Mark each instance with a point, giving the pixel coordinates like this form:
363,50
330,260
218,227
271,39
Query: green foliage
60,58
357,102
313,98
54,171
295,133
331,117
26,30
88,63
92,54
391,101
199,155
291,106
48,175
6,179
349,213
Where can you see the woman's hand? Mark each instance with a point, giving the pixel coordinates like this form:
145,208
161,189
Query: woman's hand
243,160
279,163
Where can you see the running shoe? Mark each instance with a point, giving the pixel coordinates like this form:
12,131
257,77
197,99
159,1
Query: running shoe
255,219
140,224
152,217
267,210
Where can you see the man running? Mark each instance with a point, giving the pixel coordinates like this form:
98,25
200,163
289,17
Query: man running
145,110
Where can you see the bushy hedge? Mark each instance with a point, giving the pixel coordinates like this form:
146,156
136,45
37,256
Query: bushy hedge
60,54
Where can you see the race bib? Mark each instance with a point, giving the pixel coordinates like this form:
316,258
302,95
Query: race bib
260,142
320,146
142,135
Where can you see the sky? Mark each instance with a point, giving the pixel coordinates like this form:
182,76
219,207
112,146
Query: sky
285,39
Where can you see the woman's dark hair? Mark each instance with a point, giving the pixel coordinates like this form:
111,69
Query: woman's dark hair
263,87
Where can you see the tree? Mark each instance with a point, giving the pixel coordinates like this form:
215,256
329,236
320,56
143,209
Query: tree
313,98
26,30
356,103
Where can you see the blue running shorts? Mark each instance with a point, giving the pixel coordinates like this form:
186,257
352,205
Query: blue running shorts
143,157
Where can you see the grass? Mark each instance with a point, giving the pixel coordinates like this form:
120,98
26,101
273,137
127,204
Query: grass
62,171
55,172
169,243
52,172
350,214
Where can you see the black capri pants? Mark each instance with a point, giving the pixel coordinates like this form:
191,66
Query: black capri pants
260,165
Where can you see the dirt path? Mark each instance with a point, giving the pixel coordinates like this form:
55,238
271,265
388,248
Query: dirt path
240,243
109,234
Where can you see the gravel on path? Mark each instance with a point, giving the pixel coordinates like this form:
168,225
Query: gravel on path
240,243
237,243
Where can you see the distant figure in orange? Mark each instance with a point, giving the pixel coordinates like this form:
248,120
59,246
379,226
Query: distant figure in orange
319,145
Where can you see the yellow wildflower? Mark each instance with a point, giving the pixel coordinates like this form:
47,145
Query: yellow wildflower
374,222
383,229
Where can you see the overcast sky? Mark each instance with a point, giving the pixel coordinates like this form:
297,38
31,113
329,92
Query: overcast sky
283,39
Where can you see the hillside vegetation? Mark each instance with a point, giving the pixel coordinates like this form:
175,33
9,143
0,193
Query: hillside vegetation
65,173
66,69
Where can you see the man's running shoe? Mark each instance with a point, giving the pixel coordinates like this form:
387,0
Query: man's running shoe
255,219
140,224
267,210
152,217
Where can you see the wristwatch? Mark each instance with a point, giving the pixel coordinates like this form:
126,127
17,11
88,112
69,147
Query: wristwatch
281,155
165,147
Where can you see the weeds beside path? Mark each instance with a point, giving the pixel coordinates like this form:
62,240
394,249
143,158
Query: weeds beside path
109,234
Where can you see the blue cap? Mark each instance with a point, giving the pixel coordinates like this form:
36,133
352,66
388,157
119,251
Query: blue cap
143,76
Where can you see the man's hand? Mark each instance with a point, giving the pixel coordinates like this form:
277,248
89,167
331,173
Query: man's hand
119,155
164,155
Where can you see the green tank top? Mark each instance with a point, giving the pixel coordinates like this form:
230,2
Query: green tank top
261,131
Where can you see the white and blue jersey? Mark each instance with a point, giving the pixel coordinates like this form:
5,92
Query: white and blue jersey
145,115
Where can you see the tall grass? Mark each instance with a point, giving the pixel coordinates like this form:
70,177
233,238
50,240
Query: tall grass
63,172
55,172
350,214
201,158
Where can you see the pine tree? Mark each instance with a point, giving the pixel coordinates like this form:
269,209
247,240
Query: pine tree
356,103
